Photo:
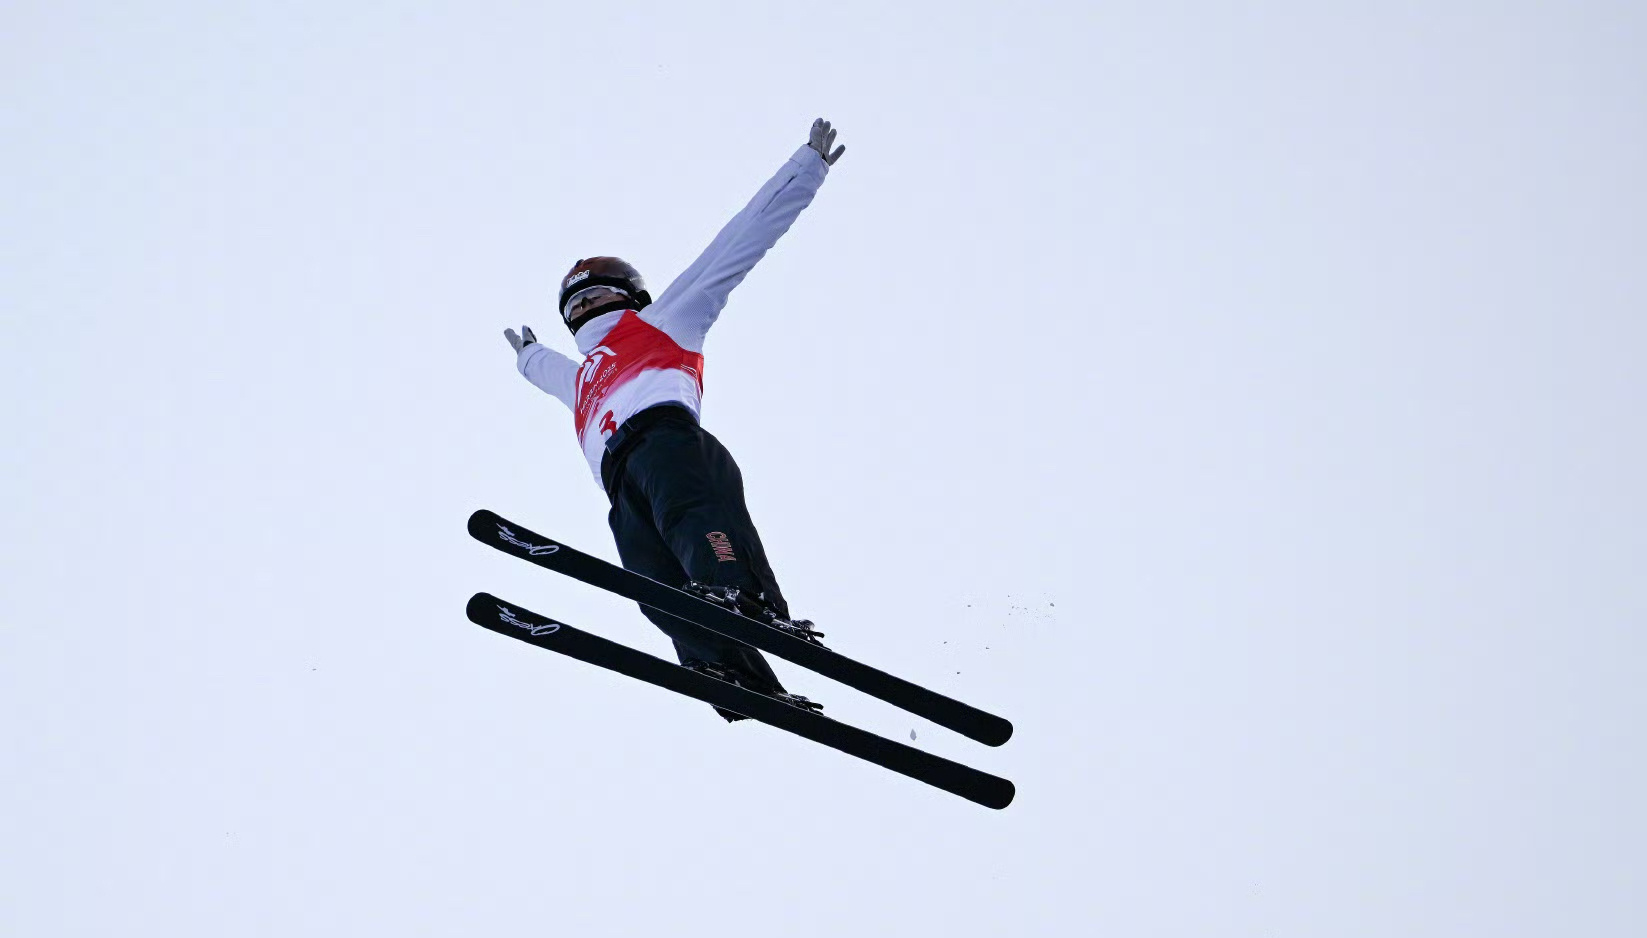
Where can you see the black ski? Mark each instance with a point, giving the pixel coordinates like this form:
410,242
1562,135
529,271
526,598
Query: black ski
511,538
511,620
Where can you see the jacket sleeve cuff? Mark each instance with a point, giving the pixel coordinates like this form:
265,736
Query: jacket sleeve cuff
525,356
810,160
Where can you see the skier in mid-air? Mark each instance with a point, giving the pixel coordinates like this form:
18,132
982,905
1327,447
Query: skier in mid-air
678,512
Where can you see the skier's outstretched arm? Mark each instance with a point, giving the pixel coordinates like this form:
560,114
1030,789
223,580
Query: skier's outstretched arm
693,302
551,371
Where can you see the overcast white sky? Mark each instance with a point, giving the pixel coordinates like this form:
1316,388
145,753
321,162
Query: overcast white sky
1246,400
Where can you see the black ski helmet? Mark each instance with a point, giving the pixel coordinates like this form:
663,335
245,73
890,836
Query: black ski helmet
603,272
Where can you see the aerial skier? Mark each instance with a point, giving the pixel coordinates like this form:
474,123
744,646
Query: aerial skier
678,513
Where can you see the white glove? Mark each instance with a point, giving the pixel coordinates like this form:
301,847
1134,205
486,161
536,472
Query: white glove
822,139
518,342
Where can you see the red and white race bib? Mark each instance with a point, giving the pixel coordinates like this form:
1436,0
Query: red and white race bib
634,367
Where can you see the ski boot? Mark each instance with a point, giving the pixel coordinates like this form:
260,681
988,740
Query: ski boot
721,672
755,606
796,701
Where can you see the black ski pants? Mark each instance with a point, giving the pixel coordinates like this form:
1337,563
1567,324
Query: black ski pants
678,514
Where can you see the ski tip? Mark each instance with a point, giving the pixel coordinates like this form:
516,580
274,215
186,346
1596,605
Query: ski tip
481,608
481,521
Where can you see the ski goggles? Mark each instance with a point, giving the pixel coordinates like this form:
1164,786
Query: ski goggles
590,293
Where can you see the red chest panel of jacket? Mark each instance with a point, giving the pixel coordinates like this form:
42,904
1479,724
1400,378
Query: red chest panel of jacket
611,386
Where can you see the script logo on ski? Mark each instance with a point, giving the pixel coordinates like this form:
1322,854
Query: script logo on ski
536,550
532,628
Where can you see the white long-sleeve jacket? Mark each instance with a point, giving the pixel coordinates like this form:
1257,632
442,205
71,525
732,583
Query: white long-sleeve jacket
636,359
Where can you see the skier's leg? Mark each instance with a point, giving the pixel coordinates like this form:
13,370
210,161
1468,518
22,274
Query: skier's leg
696,494
742,539
643,550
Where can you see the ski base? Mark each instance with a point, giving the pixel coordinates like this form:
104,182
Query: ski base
516,622
495,531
